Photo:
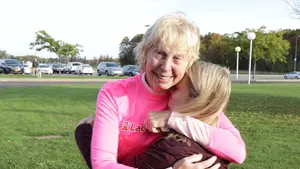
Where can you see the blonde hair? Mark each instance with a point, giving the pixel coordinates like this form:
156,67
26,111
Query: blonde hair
210,88
171,31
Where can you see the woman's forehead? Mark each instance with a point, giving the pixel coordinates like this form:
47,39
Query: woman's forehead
173,50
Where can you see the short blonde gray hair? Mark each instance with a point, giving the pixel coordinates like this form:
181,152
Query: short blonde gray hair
171,31
210,88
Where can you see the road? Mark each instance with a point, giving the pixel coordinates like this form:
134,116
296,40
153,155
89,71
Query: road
22,82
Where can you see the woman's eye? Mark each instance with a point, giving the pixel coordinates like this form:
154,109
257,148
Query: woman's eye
177,58
161,53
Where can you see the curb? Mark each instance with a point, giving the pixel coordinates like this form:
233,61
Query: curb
53,80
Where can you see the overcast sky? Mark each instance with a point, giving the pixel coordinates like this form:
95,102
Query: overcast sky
100,25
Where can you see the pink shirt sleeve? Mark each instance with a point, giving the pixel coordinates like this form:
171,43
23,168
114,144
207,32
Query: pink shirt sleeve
224,141
104,146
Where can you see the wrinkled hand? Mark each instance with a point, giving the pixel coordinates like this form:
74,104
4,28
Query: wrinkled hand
192,162
157,121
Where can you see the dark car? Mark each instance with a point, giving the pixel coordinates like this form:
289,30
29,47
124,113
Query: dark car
5,69
130,70
58,68
15,66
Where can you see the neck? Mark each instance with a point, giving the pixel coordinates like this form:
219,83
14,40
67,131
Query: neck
146,83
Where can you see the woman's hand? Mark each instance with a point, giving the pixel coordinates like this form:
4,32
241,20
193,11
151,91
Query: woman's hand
192,162
157,121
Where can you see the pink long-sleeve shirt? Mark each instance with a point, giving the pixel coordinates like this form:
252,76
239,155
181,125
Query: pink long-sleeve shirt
224,141
119,132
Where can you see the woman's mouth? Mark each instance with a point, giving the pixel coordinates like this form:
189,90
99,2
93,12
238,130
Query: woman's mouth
163,77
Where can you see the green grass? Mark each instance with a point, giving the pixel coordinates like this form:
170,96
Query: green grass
62,76
268,117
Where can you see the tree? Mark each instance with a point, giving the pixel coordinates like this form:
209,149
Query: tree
291,36
67,50
44,41
126,47
215,48
268,46
4,54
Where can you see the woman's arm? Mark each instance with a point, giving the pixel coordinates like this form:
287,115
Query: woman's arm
104,146
224,141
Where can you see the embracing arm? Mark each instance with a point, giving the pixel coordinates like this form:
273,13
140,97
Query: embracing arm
224,141
104,146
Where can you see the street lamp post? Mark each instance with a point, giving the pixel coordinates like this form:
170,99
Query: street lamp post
237,49
295,58
251,36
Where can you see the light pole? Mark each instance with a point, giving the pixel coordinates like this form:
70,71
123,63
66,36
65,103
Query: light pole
251,36
295,58
237,49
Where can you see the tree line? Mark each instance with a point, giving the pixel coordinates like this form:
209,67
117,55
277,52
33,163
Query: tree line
273,51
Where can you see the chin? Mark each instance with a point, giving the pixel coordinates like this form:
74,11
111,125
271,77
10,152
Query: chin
164,88
160,90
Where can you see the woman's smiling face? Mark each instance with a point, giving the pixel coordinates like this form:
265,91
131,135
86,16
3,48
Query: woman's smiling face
164,69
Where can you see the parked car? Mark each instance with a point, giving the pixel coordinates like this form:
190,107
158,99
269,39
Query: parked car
5,69
27,69
130,70
71,67
84,69
15,65
292,75
109,69
58,68
45,69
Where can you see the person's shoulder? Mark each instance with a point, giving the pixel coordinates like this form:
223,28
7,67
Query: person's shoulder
222,116
224,119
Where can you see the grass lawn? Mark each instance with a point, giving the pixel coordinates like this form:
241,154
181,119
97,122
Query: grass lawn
268,116
62,76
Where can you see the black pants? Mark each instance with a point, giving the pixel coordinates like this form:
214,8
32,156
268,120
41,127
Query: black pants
83,137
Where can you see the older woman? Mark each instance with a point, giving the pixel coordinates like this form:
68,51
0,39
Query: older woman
167,50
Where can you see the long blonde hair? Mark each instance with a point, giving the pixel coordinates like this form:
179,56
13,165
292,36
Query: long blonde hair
210,88
171,31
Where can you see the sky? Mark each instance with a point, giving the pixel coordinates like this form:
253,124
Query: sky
100,25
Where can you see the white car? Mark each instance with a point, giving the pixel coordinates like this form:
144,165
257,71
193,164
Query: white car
72,66
45,69
27,69
109,69
292,75
84,69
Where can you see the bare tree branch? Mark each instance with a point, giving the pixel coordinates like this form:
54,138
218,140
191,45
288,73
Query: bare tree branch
295,7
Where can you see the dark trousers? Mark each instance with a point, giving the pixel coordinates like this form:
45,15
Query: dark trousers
83,137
